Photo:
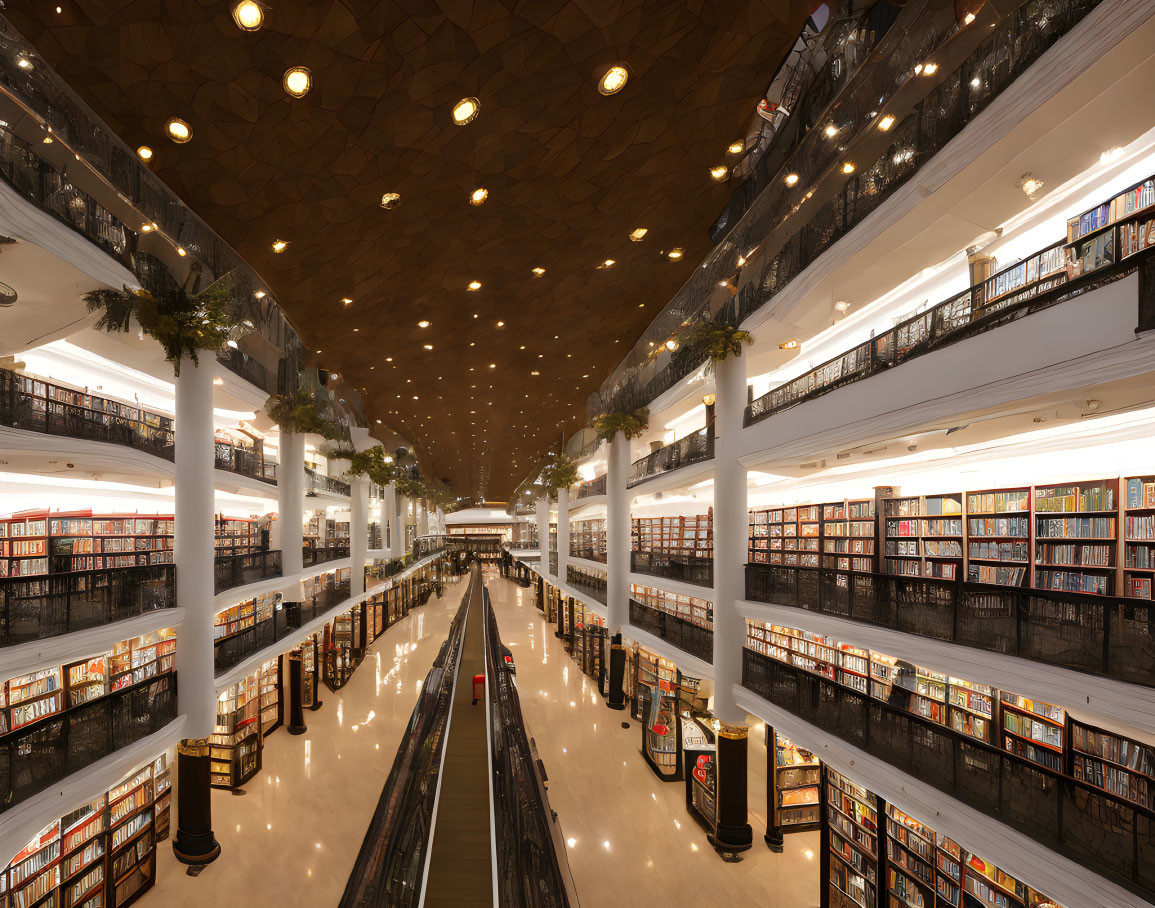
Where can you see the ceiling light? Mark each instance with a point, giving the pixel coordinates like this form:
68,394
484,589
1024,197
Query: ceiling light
474,285
886,122
390,200
918,69
1030,185
736,147
608,263
47,140
675,253
539,271
717,174
178,130
791,344
535,372
493,365
466,111
144,153
346,301
614,80
831,130
976,82
218,381
297,81
671,345
24,63
279,245
842,306
146,228
479,196
848,168
248,15
428,346
968,18
790,179
180,251
501,324
637,234
259,294
930,69
423,324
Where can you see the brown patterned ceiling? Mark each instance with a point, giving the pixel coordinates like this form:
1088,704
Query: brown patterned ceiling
570,173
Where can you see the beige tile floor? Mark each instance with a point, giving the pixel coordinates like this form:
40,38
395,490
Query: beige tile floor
632,842
291,839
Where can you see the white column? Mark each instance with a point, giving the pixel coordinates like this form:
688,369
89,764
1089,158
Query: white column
562,532
543,535
358,531
291,500
730,529
618,535
193,545
422,518
391,519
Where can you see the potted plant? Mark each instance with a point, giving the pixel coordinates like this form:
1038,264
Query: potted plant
298,412
632,425
559,472
714,341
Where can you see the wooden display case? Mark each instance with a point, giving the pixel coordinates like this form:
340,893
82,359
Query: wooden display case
923,536
235,745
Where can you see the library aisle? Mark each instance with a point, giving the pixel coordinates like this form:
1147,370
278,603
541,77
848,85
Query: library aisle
296,831
632,841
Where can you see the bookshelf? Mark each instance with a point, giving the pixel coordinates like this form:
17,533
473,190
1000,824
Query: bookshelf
657,693
849,532
587,539
236,536
797,786
852,836
998,537
971,709
924,536
910,861
84,844
270,685
1139,536
132,841
693,536
235,745
162,790
30,698
1113,763
699,612
24,545
42,542
140,658
1033,730
85,680
34,873
1075,536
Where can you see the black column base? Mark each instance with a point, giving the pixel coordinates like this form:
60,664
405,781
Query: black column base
732,839
194,842
617,698
774,840
732,833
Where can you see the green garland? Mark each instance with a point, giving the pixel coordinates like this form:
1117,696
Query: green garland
299,413
632,425
710,339
183,324
559,472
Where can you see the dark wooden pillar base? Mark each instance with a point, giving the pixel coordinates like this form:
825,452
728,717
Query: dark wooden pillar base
617,698
296,724
732,832
194,842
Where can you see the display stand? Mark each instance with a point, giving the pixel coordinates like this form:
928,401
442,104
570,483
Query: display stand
657,711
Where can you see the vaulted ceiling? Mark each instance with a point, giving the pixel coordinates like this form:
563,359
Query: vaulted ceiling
570,173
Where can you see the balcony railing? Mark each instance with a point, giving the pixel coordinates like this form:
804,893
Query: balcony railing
245,462
1110,836
793,238
36,405
553,564
241,570
1101,634
39,755
320,554
424,546
958,318
593,487
374,574
588,582
589,552
318,482
673,566
694,448
685,635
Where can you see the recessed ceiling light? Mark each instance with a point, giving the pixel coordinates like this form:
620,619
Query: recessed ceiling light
248,15
428,346
791,344
535,372
346,301
478,196
717,174
24,63
423,324
181,251
259,294
279,245
886,122
144,153
178,130
968,18
466,111
501,324
736,147
1030,185
930,69
297,81
848,168
614,79
638,233
831,130
675,253
146,228
538,271
608,263
474,285
493,365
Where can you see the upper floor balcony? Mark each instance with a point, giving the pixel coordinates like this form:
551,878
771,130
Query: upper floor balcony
231,571
318,482
696,447
592,488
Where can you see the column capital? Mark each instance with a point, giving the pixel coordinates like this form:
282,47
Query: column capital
733,732
193,747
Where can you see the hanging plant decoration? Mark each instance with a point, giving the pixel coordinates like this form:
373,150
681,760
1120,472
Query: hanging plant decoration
184,323
632,425
559,472
371,464
707,338
299,413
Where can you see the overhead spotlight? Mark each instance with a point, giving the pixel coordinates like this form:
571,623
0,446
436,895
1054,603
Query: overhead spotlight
968,18
736,147
842,306
608,263
474,285
790,179
390,200
144,153
423,324
676,253
638,234
1030,185
831,130
297,81
279,245
848,168
539,271
466,111
930,69
614,79
248,15
717,174
178,130
886,122
346,301
478,196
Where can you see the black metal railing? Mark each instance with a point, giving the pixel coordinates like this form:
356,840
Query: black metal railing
375,573
240,570
41,754
424,546
1106,834
36,405
319,554
286,618
319,482
532,871
1101,634
596,585
685,635
389,867
590,551
960,317
553,564
593,487
244,461
792,236
694,448
674,566
33,608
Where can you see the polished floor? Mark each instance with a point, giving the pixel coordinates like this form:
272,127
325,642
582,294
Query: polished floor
631,840
293,835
